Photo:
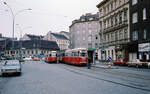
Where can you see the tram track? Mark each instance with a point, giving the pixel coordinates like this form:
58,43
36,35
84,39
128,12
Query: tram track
90,74
117,73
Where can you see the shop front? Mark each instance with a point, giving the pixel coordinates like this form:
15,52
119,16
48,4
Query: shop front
122,53
144,51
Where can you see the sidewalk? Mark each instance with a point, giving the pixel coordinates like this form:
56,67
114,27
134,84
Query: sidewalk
104,65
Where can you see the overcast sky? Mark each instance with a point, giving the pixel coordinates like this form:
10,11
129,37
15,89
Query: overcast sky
46,15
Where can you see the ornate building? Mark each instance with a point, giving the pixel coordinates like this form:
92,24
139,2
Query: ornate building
114,29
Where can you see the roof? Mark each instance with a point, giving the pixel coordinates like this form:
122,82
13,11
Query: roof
101,3
34,44
33,37
86,18
59,36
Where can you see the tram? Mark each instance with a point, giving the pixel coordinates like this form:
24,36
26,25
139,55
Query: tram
52,58
77,56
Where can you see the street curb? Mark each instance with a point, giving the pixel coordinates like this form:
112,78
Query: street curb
104,67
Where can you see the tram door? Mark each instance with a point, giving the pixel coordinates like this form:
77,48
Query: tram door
90,56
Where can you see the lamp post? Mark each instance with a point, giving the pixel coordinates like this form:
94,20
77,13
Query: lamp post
13,23
21,30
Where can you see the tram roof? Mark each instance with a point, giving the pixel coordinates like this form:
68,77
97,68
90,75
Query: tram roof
75,49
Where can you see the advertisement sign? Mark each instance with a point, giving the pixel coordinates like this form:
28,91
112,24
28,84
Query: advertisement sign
144,47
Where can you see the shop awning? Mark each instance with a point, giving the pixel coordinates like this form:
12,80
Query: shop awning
91,49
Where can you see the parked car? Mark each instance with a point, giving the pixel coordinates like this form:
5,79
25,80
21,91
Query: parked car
11,67
27,59
120,63
36,59
137,63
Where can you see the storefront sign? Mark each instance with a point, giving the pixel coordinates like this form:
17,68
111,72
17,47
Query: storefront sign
144,47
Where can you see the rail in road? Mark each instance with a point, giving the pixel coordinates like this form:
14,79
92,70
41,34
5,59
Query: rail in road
118,81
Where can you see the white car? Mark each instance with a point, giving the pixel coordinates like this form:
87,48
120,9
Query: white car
11,67
27,59
137,63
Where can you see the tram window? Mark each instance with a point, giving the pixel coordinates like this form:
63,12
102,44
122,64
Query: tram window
83,54
76,54
50,55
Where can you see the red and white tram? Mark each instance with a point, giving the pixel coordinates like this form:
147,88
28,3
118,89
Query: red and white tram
76,56
52,58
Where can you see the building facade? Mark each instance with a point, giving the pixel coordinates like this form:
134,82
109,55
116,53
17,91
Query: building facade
139,30
62,41
114,29
31,48
84,31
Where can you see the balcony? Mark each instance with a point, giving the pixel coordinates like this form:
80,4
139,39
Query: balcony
116,27
112,43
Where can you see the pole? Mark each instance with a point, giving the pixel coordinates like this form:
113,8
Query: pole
102,38
13,24
13,17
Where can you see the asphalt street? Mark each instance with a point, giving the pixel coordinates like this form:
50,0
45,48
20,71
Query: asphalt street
43,78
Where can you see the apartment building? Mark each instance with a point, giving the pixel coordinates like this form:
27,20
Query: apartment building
84,32
114,29
139,30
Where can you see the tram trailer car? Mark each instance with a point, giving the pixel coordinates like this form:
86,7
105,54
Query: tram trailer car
52,58
76,56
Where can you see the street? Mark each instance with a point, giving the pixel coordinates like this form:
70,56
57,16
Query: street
41,78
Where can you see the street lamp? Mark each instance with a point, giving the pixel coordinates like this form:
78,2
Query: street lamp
21,30
13,19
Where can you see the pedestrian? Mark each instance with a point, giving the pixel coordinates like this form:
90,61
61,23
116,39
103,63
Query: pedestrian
89,62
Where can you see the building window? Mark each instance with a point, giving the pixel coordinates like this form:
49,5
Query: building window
120,2
104,10
96,45
120,35
116,36
125,34
90,32
90,39
125,16
134,17
134,2
112,37
145,34
116,20
96,37
107,8
135,35
120,18
108,38
104,24
144,14
83,37
112,21
112,6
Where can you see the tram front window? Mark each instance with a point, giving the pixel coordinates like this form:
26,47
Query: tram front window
83,54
